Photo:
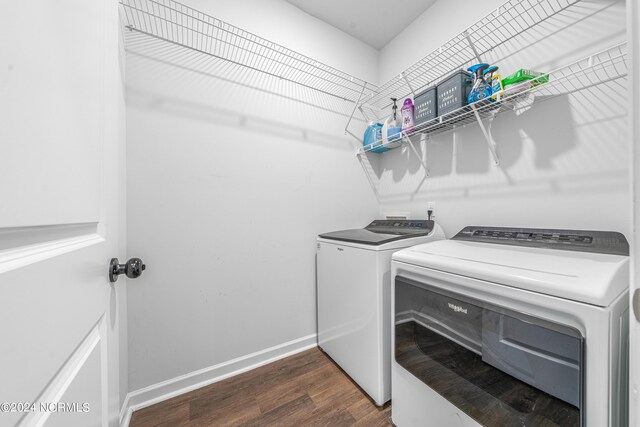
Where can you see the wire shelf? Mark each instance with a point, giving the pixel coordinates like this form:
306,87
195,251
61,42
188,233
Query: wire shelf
602,67
171,33
167,31
508,21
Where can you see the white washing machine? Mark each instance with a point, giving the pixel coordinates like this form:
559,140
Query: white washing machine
504,326
354,294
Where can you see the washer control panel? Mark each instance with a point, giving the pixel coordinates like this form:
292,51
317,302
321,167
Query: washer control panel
400,225
414,227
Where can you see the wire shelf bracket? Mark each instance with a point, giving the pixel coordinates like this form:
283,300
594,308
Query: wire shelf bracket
487,135
355,107
404,76
370,179
472,46
421,159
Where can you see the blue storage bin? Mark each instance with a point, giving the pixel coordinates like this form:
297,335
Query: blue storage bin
426,106
453,92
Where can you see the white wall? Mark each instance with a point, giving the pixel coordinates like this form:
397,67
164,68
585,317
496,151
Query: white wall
227,189
563,162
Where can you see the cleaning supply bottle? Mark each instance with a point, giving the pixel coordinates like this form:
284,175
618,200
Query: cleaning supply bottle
487,75
497,90
480,89
407,116
373,136
369,134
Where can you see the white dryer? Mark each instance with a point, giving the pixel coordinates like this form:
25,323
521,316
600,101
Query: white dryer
354,297
504,326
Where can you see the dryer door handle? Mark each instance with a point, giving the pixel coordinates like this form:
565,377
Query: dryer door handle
635,302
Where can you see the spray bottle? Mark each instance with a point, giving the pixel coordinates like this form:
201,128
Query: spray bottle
489,76
480,88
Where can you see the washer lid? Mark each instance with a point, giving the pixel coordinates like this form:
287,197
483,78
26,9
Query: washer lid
588,277
380,232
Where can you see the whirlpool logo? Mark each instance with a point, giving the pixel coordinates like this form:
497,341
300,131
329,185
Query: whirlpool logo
457,308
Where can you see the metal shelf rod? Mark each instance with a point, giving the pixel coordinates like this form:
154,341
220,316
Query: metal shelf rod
355,107
490,142
423,162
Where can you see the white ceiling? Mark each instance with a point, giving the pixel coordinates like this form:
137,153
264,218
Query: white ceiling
375,22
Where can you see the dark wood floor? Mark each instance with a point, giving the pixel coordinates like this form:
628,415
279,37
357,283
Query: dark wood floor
306,389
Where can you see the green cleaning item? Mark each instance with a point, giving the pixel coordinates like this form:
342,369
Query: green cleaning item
523,74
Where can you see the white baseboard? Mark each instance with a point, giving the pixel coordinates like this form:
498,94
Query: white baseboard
164,390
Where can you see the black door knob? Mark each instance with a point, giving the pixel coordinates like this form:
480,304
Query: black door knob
132,268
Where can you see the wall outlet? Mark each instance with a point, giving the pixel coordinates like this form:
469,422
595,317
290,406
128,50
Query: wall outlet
431,206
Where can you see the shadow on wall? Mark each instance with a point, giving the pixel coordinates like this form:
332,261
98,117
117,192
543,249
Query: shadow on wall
510,130
465,151
550,141
181,82
146,100
460,164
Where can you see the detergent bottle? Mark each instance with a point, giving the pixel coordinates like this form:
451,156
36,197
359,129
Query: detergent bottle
480,89
407,116
369,134
373,136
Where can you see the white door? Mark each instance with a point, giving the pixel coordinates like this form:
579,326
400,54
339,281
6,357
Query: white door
61,135
633,35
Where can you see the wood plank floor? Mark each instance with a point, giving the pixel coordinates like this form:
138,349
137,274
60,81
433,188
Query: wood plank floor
306,389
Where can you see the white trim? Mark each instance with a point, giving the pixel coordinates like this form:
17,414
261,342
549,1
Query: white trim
64,377
164,390
125,412
633,40
21,257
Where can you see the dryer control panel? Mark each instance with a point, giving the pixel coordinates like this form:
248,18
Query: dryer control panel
606,242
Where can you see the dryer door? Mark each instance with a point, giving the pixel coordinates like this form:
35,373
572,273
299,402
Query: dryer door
498,366
544,358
